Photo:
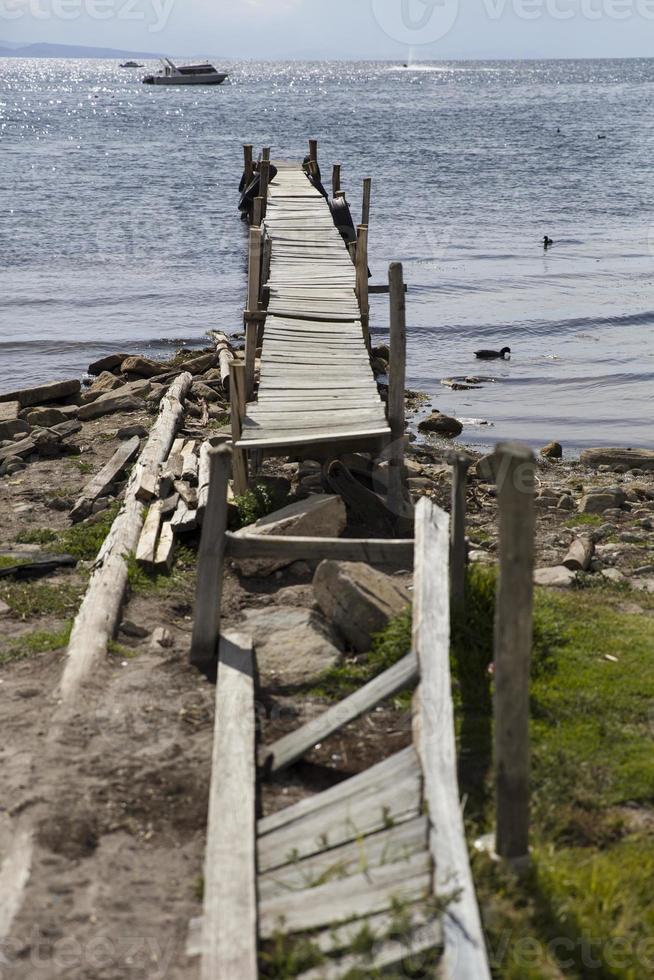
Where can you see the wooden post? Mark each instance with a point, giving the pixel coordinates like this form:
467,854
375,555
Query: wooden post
254,270
396,388
264,172
352,249
248,167
237,401
336,179
362,281
513,642
257,212
313,151
206,624
460,463
365,211
265,153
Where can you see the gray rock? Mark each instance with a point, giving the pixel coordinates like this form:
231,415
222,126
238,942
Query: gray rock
129,431
442,425
643,584
132,629
143,367
60,503
13,427
559,576
110,404
358,599
322,516
45,417
599,501
566,503
642,459
630,538
644,570
162,638
4,609
613,575
295,645
105,383
109,363
52,392
200,390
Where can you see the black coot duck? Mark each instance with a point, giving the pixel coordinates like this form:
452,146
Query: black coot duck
489,355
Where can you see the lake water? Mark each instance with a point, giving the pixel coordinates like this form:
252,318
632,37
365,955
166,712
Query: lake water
119,228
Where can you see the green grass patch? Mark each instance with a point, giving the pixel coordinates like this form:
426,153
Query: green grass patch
35,643
84,468
592,787
255,504
37,535
83,541
31,599
387,648
585,520
145,582
7,562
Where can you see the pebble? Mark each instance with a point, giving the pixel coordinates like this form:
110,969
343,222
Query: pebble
132,629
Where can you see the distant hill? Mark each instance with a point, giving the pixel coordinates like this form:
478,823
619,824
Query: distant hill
67,51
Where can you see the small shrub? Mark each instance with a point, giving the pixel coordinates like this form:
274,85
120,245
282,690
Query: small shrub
257,503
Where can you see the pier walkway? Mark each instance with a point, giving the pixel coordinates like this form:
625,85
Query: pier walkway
316,384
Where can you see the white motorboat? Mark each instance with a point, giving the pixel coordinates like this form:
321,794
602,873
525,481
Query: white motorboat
204,74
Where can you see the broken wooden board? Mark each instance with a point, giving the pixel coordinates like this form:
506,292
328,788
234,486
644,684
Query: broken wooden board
102,482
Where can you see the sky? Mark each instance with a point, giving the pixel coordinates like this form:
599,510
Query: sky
347,29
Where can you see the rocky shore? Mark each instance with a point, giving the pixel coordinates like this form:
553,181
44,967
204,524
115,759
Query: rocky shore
128,823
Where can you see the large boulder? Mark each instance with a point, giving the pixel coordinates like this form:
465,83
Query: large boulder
43,394
320,516
104,383
45,417
292,645
13,427
127,398
109,363
442,425
9,411
553,450
598,501
143,367
358,599
641,459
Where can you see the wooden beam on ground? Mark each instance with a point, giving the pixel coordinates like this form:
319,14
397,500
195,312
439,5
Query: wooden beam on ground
465,951
229,935
513,642
147,546
101,483
206,624
397,552
238,400
97,620
292,747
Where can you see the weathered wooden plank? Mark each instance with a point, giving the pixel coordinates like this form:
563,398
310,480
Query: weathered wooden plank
378,775
381,925
292,747
375,890
397,552
101,483
163,556
309,436
465,954
229,935
385,847
147,546
346,820
383,954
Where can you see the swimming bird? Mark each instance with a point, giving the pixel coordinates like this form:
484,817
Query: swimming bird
547,241
489,355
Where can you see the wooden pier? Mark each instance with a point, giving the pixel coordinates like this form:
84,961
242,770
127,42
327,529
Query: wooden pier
316,385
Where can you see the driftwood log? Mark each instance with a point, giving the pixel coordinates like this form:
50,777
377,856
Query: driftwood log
580,555
98,616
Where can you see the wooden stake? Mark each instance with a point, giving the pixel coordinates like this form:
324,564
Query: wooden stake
336,179
513,642
264,172
396,388
247,163
313,151
460,463
254,270
362,281
365,211
238,400
257,212
265,154
206,625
